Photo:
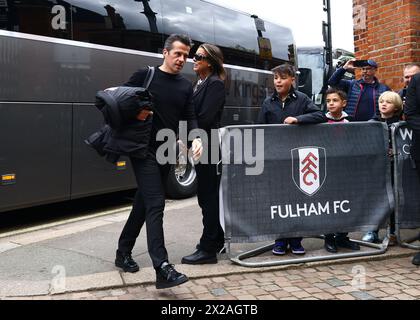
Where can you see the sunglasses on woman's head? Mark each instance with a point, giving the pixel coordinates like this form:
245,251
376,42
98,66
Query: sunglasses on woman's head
199,57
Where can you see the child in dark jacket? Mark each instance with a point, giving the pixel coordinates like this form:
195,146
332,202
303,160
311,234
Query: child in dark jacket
336,101
287,106
390,108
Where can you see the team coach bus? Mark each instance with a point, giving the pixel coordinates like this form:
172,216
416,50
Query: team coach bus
55,55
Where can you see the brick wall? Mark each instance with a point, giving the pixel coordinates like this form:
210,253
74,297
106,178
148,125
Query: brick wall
387,31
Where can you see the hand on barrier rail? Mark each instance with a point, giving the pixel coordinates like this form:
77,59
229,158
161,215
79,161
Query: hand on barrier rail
290,120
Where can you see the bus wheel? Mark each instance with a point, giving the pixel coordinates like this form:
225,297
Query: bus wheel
182,181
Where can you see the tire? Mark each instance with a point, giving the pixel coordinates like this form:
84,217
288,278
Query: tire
181,182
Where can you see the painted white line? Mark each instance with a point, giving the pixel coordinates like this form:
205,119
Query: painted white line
8,245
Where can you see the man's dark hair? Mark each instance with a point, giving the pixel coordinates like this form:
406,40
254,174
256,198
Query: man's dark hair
339,92
184,39
285,69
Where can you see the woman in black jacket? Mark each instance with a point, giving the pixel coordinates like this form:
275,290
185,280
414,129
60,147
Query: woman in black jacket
209,100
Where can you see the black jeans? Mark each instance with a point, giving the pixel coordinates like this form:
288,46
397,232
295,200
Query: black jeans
148,207
418,167
212,239
337,236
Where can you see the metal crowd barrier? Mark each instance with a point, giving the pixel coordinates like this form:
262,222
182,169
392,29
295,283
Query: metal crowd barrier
239,259
401,137
309,132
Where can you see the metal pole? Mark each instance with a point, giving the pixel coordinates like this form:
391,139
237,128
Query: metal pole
328,42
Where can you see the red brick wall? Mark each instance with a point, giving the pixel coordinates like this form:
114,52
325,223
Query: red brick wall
387,31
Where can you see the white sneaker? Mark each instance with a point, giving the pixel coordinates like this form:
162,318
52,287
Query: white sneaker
371,236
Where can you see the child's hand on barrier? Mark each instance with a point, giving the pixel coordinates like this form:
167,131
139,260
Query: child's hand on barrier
290,120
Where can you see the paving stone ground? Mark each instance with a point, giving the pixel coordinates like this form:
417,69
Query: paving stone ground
392,279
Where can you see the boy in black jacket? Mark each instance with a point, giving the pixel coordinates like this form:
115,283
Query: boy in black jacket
289,107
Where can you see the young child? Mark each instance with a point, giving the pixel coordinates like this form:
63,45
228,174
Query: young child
390,109
289,107
336,101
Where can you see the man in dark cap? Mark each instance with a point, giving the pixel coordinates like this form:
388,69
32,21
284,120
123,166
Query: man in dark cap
363,94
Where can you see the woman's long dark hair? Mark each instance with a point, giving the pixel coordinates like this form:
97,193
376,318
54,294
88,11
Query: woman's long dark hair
215,57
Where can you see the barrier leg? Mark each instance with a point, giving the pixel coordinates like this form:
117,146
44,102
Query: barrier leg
380,249
407,242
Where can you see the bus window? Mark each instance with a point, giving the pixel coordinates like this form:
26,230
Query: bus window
313,58
190,17
130,24
236,34
282,44
40,17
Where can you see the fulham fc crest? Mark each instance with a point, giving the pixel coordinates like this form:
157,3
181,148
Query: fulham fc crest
309,169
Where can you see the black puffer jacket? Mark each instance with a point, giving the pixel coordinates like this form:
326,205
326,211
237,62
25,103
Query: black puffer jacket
120,106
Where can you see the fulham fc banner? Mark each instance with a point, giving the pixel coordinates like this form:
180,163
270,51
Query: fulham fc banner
304,180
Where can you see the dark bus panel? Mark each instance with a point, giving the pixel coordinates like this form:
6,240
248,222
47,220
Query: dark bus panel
54,57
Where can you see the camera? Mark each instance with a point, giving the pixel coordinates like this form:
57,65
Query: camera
360,63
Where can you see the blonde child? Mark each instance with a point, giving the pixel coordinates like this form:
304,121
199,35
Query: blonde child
390,109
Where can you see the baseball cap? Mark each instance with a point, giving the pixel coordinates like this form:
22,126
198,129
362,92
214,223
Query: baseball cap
372,63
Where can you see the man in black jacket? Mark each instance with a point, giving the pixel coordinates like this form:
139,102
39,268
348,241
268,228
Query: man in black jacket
288,106
172,95
412,113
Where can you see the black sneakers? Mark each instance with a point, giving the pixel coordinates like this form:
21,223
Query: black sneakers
345,242
167,276
126,262
329,243
200,257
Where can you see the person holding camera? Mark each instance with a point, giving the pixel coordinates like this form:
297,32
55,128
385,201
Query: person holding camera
173,101
363,94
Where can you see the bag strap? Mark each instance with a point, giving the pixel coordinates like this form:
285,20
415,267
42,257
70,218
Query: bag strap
149,77
146,84
147,80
